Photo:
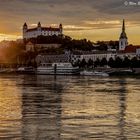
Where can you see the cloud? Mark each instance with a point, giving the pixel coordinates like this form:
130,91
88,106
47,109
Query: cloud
76,15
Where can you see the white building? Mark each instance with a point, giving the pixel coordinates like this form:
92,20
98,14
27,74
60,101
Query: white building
39,30
138,52
52,58
130,55
94,56
123,41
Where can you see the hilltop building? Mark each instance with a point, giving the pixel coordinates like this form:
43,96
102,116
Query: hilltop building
124,50
39,30
115,49
123,41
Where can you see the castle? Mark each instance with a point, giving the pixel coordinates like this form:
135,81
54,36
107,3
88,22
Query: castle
39,30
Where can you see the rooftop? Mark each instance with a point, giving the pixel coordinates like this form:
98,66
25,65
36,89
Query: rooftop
44,29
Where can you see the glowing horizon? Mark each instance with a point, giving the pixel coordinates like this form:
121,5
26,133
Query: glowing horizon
93,20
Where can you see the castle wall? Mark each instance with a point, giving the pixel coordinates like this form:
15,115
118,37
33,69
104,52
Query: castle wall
35,32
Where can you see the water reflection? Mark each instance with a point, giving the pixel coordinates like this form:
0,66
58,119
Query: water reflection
65,107
41,109
10,108
122,115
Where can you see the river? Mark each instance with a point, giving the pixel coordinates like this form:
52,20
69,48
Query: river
69,108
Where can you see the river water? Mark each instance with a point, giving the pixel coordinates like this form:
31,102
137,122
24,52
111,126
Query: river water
69,108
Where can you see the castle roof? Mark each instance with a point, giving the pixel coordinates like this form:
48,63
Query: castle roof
44,29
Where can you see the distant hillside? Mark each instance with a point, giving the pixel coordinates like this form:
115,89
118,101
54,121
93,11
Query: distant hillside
66,41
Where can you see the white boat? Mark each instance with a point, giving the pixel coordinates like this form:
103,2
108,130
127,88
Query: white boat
94,73
26,70
57,69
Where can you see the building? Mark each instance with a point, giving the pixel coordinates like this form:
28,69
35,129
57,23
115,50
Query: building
94,56
138,52
30,47
123,41
39,47
42,58
39,30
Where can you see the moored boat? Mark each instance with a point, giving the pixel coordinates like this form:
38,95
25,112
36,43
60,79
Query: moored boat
26,70
57,69
94,73
121,72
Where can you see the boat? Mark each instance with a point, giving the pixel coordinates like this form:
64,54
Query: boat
94,73
57,69
26,70
7,70
121,72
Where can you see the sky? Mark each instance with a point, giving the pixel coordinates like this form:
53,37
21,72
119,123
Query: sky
91,19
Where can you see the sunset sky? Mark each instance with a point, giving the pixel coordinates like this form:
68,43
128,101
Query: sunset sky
91,19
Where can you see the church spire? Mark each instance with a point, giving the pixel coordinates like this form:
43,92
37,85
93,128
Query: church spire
123,34
123,38
123,27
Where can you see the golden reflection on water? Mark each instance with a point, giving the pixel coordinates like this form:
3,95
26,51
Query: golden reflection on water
10,107
49,107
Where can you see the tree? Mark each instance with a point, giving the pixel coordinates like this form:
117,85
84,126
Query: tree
118,63
126,62
90,63
111,62
83,63
134,62
77,63
97,62
103,62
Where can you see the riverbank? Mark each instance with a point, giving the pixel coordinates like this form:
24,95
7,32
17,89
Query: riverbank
110,71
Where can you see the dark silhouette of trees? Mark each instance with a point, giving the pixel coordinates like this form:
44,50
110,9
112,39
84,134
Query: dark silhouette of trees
66,41
83,63
103,62
118,63
135,63
77,63
97,63
90,63
126,62
111,62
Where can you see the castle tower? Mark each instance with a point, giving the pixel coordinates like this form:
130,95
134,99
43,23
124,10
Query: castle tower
123,38
61,29
25,28
39,24
39,29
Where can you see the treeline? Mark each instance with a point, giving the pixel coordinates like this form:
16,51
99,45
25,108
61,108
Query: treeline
9,53
66,41
15,54
74,44
103,45
113,63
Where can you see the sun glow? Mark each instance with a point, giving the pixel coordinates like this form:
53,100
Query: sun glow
8,37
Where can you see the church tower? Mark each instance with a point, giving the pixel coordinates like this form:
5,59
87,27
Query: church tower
123,38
